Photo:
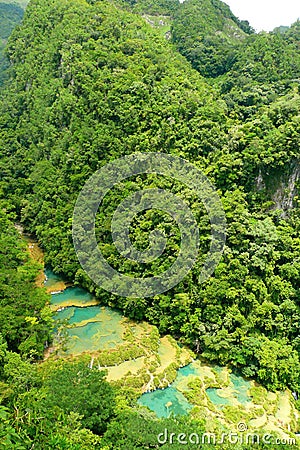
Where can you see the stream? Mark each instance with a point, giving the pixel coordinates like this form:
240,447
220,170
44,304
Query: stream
95,327
134,353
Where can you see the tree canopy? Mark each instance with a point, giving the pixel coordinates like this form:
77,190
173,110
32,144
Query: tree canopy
91,81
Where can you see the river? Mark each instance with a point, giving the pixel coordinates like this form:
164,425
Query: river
166,377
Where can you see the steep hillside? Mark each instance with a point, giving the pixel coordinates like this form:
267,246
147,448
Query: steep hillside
92,82
17,282
21,3
208,34
258,77
267,66
159,7
10,16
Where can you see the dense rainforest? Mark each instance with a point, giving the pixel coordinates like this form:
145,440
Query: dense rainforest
10,15
89,82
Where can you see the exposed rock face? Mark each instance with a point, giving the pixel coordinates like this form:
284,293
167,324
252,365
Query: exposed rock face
285,194
260,184
281,187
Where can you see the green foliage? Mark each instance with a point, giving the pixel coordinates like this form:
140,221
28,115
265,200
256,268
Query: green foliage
24,322
10,16
90,82
100,83
266,66
39,405
8,436
139,430
235,414
74,387
167,7
207,34
122,353
21,3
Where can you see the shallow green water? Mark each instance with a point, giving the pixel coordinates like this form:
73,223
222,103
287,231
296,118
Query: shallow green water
90,337
77,314
91,328
74,293
157,401
51,278
216,399
95,328
240,388
186,371
64,314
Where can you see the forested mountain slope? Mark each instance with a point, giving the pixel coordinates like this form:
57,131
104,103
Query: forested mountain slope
10,16
92,82
159,7
208,34
267,67
21,3
25,324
